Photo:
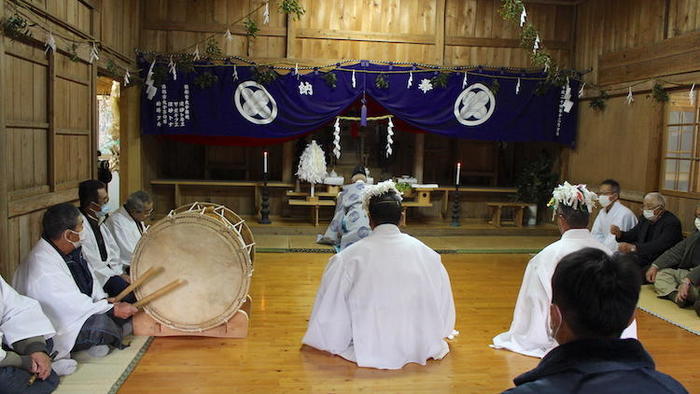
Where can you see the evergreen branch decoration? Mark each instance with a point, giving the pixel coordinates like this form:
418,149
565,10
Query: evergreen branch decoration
293,8
331,79
212,49
495,86
440,80
186,65
599,102
206,80
251,27
542,88
160,74
264,74
659,93
381,82
16,27
111,67
511,10
73,52
528,36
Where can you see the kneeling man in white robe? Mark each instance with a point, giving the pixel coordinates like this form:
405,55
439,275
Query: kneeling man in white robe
126,224
386,300
56,274
528,332
25,352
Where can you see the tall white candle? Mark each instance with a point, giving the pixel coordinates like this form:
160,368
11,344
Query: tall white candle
265,162
459,165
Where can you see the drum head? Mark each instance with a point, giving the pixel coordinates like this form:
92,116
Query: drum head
208,255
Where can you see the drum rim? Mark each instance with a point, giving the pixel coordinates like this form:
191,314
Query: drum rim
235,242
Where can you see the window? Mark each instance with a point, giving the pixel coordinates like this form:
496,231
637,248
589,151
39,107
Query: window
681,155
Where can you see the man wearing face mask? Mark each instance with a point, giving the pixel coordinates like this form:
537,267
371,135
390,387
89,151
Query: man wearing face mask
99,247
655,233
612,213
126,224
676,274
593,300
56,274
528,332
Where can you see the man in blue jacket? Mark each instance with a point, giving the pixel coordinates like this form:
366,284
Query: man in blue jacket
593,300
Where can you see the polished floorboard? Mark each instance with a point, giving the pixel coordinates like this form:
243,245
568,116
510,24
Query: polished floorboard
283,288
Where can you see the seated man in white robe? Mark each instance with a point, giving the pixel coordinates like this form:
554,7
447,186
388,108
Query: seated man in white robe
528,333
126,224
350,222
386,300
99,247
56,274
613,213
25,352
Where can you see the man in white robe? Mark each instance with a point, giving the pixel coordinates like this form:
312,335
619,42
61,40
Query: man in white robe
126,224
99,247
23,332
386,300
528,332
56,274
613,213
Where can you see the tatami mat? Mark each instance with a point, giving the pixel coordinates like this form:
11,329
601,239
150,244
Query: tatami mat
668,310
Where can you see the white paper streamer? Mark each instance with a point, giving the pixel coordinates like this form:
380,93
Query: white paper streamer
228,35
196,52
692,95
296,70
517,86
127,77
580,91
629,99
410,80
336,138
464,81
389,137
235,73
354,84
266,13
150,89
523,17
94,53
173,69
537,44
50,42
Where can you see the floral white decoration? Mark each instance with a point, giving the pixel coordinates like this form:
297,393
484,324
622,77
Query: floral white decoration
574,196
312,164
425,85
377,190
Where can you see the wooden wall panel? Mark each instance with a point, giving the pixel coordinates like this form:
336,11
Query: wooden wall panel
684,17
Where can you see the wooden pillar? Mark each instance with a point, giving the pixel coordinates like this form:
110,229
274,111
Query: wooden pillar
291,36
419,157
440,15
288,161
130,161
5,263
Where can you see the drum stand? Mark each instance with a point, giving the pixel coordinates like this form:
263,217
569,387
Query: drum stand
235,327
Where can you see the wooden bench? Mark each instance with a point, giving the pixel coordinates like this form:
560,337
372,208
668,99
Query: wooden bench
315,205
497,209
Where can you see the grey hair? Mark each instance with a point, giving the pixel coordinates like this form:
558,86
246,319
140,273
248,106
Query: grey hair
59,218
137,201
656,197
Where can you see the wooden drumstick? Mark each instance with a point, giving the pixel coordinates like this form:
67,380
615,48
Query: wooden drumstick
160,292
138,282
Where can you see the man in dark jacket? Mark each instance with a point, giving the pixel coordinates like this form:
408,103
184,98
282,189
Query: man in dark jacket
676,274
657,231
593,300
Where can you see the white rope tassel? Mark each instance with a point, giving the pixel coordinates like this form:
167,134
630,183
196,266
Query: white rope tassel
228,35
410,80
50,43
336,138
354,83
94,53
266,13
692,95
464,81
196,52
127,78
523,17
235,73
173,69
517,87
630,99
389,137
580,91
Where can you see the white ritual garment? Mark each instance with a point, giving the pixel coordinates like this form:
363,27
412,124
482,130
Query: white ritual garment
125,232
20,318
103,270
44,276
528,332
383,302
620,216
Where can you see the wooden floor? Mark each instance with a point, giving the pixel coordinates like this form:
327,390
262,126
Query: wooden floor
283,289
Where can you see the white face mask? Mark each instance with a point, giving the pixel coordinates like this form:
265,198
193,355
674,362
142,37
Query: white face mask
604,201
649,214
80,239
697,223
